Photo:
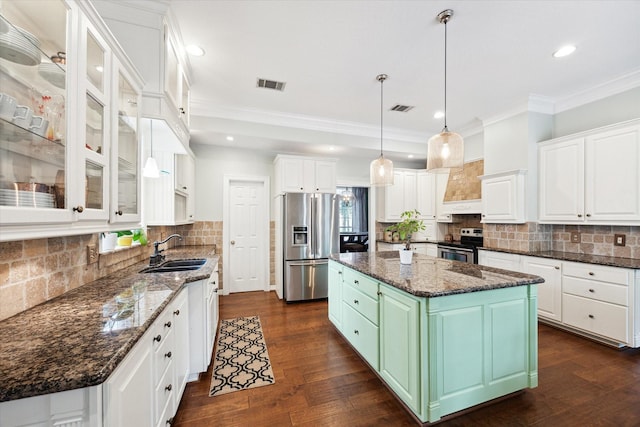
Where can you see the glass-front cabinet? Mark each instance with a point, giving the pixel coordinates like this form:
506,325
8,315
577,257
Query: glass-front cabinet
69,146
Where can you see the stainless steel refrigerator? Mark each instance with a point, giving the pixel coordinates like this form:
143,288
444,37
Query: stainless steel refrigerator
310,234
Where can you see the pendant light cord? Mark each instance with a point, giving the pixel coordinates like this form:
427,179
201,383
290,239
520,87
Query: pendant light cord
381,103
445,75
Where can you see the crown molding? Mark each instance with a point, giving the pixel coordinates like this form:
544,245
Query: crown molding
534,103
612,87
300,121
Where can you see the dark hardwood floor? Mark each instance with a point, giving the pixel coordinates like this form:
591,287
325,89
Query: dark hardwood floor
320,381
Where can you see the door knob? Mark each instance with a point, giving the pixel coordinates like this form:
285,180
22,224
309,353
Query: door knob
233,242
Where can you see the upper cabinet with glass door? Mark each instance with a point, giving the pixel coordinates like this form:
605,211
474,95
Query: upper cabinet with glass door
35,139
58,101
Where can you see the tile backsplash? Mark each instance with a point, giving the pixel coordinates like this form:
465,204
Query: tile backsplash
35,271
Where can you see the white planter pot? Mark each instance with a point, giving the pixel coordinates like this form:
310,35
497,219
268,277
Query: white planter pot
405,256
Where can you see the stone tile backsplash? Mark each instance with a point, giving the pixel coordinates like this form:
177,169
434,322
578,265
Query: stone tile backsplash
35,271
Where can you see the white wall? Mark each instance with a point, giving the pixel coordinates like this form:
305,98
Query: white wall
613,109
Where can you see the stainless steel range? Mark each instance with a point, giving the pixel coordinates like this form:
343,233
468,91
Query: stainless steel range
466,250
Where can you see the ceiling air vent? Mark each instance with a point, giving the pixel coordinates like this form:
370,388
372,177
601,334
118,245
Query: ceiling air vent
271,84
401,108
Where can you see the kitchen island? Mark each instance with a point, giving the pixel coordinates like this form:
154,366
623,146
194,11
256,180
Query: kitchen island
442,335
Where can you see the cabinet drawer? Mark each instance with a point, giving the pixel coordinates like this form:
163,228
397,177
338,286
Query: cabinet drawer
362,334
361,302
361,282
163,355
598,317
599,291
161,328
164,394
602,273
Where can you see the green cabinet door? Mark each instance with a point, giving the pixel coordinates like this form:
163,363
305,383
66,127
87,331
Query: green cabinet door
400,345
335,294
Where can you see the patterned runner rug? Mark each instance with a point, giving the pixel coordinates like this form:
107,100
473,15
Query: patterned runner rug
242,360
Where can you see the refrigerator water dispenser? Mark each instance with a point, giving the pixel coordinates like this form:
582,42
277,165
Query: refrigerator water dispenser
300,236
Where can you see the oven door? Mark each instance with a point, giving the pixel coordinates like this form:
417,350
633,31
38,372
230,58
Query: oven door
457,254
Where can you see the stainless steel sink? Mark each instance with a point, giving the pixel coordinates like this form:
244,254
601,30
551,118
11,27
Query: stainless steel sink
184,262
176,266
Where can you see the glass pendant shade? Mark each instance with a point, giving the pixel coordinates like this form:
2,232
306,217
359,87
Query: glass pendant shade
151,168
381,172
445,151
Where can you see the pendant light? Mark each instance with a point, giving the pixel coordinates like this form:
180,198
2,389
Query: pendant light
446,149
150,169
381,169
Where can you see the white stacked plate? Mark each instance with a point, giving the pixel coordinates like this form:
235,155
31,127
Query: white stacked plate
53,73
26,199
20,46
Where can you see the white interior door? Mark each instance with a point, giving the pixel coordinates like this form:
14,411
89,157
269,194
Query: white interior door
247,244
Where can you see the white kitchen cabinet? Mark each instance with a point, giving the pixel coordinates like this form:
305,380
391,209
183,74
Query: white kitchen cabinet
180,318
503,260
426,195
549,292
503,197
79,155
152,41
601,300
295,174
169,199
394,199
592,177
443,213
203,323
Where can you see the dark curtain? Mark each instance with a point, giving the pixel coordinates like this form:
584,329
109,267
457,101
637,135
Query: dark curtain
360,209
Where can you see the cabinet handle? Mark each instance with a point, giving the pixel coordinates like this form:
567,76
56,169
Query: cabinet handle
167,325
355,301
339,272
78,209
356,282
592,291
355,331
579,215
182,111
184,188
168,388
591,273
591,316
588,215
119,212
157,338
177,312
168,355
379,293
557,267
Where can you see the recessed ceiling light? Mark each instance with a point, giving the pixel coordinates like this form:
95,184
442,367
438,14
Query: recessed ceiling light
99,68
194,50
438,115
332,148
229,138
410,156
564,51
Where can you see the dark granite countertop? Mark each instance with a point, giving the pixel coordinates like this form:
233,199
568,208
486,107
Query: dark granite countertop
400,243
77,339
430,277
576,257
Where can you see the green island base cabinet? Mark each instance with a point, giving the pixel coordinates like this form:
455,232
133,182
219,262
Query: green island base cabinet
443,354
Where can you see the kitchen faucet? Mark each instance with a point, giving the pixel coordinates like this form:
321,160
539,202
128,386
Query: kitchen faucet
157,256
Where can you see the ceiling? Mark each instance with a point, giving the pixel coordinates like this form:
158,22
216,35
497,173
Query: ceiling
329,53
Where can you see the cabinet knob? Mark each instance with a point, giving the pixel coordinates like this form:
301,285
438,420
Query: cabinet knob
118,212
355,331
591,273
591,316
356,282
317,189
177,312
579,215
157,338
592,291
379,293
169,387
301,188
588,215
78,209
233,242
167,325
168,355
557,267
339,272
184,188
182,110
355,301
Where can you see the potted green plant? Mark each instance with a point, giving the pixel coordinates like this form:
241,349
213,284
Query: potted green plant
410,223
